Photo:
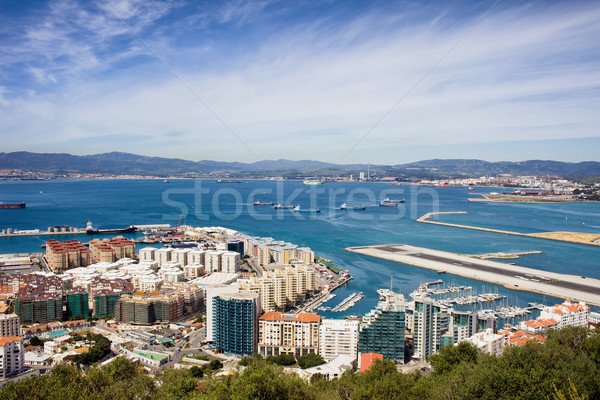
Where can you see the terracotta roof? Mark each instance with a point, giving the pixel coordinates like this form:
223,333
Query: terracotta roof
278,316
9,339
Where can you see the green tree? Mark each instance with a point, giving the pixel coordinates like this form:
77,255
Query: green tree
451,356
310,360
35,341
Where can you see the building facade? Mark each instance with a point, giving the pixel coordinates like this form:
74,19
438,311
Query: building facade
382,330
296,334
338,337
235,323
9,325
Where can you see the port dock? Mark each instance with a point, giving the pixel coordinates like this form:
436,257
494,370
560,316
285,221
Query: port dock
510,276
571,237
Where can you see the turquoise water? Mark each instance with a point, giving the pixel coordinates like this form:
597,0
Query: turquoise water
119,203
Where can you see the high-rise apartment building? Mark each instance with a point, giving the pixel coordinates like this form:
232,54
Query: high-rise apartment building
382,330
235,323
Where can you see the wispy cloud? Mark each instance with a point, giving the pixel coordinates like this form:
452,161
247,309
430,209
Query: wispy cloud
308,82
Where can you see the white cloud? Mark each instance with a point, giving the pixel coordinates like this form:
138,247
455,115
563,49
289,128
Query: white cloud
515,77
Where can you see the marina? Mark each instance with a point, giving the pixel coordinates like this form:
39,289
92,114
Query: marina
348,302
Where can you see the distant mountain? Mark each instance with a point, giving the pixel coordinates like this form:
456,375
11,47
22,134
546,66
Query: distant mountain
117,163
470,167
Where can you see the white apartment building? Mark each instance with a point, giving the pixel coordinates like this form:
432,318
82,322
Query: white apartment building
230,261
9,325
147,254
12,356
196,256
163,255
338,337
212,261
567,314
281,287
180,256
488,342
193,271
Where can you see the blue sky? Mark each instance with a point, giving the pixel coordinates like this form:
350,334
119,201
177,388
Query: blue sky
339,81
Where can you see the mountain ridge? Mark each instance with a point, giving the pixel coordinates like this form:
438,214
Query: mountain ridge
121,163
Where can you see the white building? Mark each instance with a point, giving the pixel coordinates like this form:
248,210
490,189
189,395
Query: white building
163,255
338,337
332,370
9,325
230,261
567,314
147,254
12,356
488,342
180,256
196,256
212,261
193,271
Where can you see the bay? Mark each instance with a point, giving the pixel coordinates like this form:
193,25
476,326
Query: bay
110,203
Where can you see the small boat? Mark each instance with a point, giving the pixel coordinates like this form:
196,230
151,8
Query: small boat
471,188
281,206
227,181
166,181
308,210
258,203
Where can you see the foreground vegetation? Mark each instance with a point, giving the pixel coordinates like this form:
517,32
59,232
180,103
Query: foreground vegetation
566,367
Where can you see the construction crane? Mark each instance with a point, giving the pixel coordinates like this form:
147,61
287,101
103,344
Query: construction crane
176,233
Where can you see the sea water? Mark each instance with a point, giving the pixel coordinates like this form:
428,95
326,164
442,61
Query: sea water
112,203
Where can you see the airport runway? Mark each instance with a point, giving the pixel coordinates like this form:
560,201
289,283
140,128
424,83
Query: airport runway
509,276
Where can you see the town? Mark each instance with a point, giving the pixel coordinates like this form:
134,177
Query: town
229,296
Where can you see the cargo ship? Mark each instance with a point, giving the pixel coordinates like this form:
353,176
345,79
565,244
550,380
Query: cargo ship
12,205
91,231
258,203
309,210
345,206
387,200
384,204
281,206
309,182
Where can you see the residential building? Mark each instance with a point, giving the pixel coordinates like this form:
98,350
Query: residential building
488,342
338,337
296,334
211,293
567,314
12,356
230,262
68,254
9,325
235,323
382,330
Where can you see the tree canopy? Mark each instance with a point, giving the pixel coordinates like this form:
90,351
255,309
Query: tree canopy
566,367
